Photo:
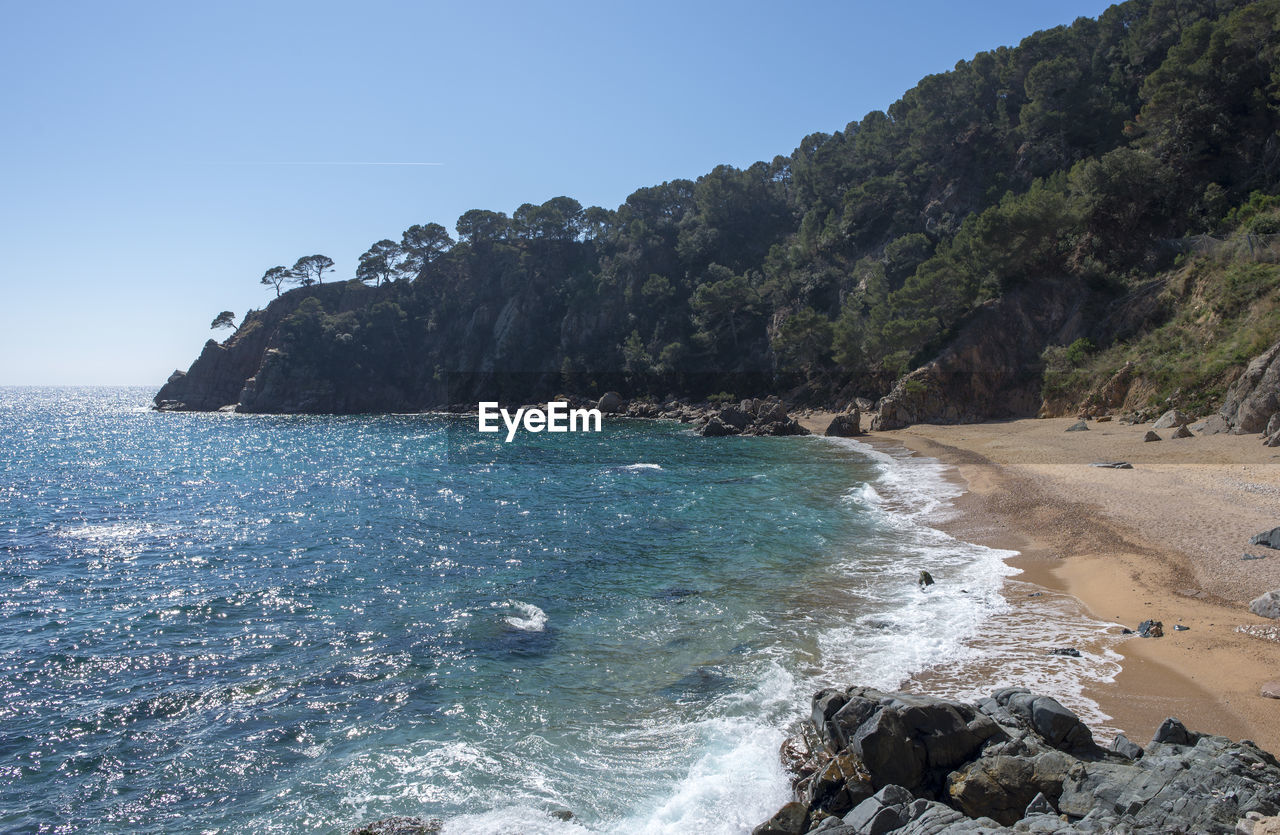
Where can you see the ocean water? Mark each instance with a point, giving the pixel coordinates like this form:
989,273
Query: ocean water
224,623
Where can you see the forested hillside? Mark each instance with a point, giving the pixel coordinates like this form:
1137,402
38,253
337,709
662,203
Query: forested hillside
1060,179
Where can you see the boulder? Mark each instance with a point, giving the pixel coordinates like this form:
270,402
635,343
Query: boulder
1171,419
1078,426
1003,787
880,813
609,402
846,425
1150,436
1213,425
1255,396
716,428
1182,432
1126,747
791,819
1151,629
1270,690
1266,605
1267,539
1273,425
736,417
924,579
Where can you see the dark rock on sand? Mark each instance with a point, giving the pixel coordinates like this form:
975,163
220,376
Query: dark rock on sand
1270,690
847,425
1113,465
1018,760
1151,629
1069,652
1078,426
925,579
1177,627
1253,556
1267,539
1150,436
1182,432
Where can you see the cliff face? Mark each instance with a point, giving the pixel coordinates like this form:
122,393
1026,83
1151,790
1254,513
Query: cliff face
992,368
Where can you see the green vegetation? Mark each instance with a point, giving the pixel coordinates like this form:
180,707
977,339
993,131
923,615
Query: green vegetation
1087,152
225,319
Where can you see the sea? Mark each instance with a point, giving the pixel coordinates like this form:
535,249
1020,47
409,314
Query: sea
232,623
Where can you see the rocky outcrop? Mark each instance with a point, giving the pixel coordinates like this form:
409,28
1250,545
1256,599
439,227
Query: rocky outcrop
1253,401
845,425
992,369
868,762
750,417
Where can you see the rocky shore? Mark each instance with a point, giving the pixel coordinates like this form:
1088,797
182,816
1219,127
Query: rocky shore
867,762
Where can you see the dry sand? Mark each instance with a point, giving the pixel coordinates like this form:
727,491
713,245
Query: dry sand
1161,541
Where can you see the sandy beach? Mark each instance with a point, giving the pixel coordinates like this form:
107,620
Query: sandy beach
1161,541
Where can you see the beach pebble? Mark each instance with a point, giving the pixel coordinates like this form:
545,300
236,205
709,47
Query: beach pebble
1113,465
1177,627
1070,652
1151,629
1271,689
1247,556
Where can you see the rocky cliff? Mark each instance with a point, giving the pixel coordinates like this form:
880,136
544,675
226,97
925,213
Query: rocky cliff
992,368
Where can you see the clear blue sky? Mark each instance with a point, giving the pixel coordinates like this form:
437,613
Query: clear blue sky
150,156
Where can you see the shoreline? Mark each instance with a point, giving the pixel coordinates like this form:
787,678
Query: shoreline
1094,534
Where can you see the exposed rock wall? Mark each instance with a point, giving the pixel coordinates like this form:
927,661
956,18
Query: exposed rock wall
992,368
1253,401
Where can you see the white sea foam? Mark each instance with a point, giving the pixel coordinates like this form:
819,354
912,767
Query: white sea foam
976,629
636,468
529,619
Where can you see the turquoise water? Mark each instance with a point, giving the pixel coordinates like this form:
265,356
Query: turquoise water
222,623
